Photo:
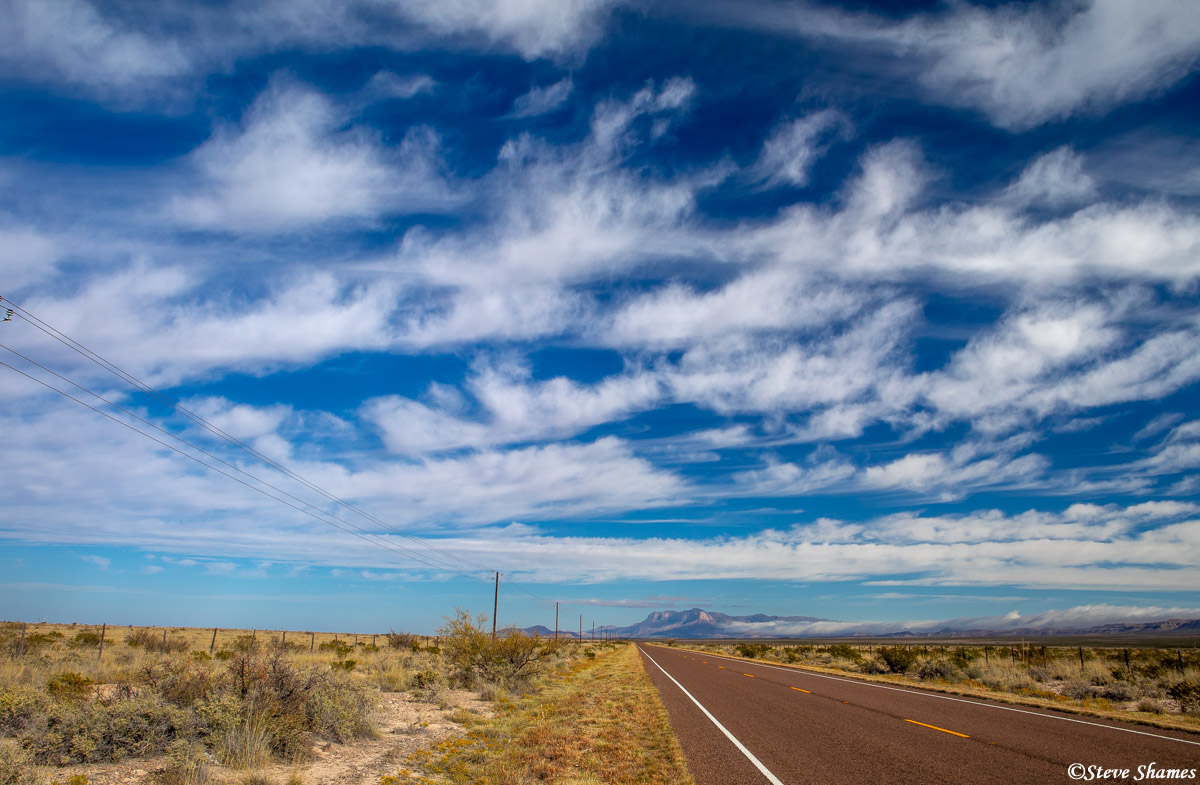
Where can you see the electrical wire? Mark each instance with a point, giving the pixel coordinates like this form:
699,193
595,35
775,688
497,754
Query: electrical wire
516,590
356,531
215,430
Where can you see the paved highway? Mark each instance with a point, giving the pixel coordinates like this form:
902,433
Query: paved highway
742,723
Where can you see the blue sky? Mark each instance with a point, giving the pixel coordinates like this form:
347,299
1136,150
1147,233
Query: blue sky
866,313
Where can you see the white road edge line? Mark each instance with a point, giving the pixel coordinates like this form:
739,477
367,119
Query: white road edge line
757,763
950,698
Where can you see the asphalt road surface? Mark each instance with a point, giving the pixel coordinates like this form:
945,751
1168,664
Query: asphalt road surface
742,723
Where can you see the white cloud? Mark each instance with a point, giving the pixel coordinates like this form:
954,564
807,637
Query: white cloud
171,328
1056,179
27,256
1019,64
385,84
540,100
159,55
769,299
792,147
74,41
987,548
291,165
534,483
735,374
1029,65
102,562
535,28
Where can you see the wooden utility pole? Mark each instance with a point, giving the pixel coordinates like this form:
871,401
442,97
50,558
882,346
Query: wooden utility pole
556,622
495,605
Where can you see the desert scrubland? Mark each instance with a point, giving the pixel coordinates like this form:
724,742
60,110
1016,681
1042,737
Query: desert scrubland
182,706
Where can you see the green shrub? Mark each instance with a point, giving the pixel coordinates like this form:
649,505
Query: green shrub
340,708
343,665
90,732
475,655
962,657
939,670
149,640
337,647
187,764
16,767
753,650
20,709
403,640
898,658
425,679
69,686
85,639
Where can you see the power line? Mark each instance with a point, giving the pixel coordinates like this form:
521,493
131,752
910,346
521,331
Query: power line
356,531
132,380
518,591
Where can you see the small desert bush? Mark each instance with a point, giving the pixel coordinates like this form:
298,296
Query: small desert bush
898,658
85,639
403,641
513,657
752,650
20,709
187,765
938,669
69,686
149,640
16,766
339,648
96,731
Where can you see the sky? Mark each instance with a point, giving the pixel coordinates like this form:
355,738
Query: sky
878,313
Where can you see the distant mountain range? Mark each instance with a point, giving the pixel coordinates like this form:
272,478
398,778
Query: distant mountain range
699,623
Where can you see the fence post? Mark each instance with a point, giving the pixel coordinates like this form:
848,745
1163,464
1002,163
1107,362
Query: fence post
213,643
1081,659
103,629
312,641
164,644
21,647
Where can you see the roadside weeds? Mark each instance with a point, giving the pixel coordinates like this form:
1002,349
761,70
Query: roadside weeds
576,731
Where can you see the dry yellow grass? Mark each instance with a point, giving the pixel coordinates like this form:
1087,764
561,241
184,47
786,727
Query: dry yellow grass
575,731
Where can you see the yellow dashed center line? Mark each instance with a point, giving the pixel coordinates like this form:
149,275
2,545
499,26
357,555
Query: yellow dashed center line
797,689
722,667
751,675
943,730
